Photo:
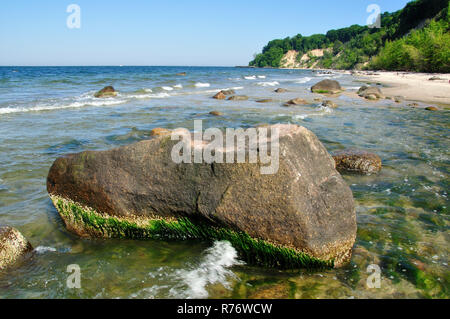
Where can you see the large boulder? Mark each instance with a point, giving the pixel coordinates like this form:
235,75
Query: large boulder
301,216
357,161
107,91
13,245
327,87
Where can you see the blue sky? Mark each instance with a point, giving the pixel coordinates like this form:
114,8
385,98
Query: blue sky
171,32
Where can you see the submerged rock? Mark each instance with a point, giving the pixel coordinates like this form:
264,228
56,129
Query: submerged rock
431,108
13,245
228,92
182,74
215,113
297,101
327,87
398,99
107,91
301,216
160,132
329,104
281,90
370,93
264,101
357,161
238,98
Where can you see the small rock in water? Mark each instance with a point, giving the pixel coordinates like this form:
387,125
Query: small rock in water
182,74
281,90
216,113
357,161
327,87
297,101
13,245
264,101
219,96
329,104
432,108
238,98
107,91
228,92
370,93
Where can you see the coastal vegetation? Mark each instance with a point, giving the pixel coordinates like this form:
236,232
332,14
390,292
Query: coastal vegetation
415,38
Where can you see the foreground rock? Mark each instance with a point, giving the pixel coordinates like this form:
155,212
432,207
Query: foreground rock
357,161
106,92
13,245
301,216
370,93
327,87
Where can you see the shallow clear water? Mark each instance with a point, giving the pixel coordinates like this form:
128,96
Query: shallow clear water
403,214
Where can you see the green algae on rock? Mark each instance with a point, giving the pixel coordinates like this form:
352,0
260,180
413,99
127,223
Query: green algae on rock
303,216
88,223
13,245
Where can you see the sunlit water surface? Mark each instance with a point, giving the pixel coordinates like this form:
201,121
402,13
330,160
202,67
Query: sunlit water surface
403,214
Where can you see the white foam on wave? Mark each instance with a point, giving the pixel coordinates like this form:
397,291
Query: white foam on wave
261,76
274,83
252,77
192,281
303,80
60,106
167,88
202,85
352,88
213,269
178,86
300,117
148,90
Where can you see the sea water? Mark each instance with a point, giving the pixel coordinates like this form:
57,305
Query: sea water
47,112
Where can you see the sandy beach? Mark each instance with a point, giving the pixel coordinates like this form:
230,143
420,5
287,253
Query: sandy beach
412,86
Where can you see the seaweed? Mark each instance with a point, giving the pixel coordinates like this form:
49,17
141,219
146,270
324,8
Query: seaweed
253,251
